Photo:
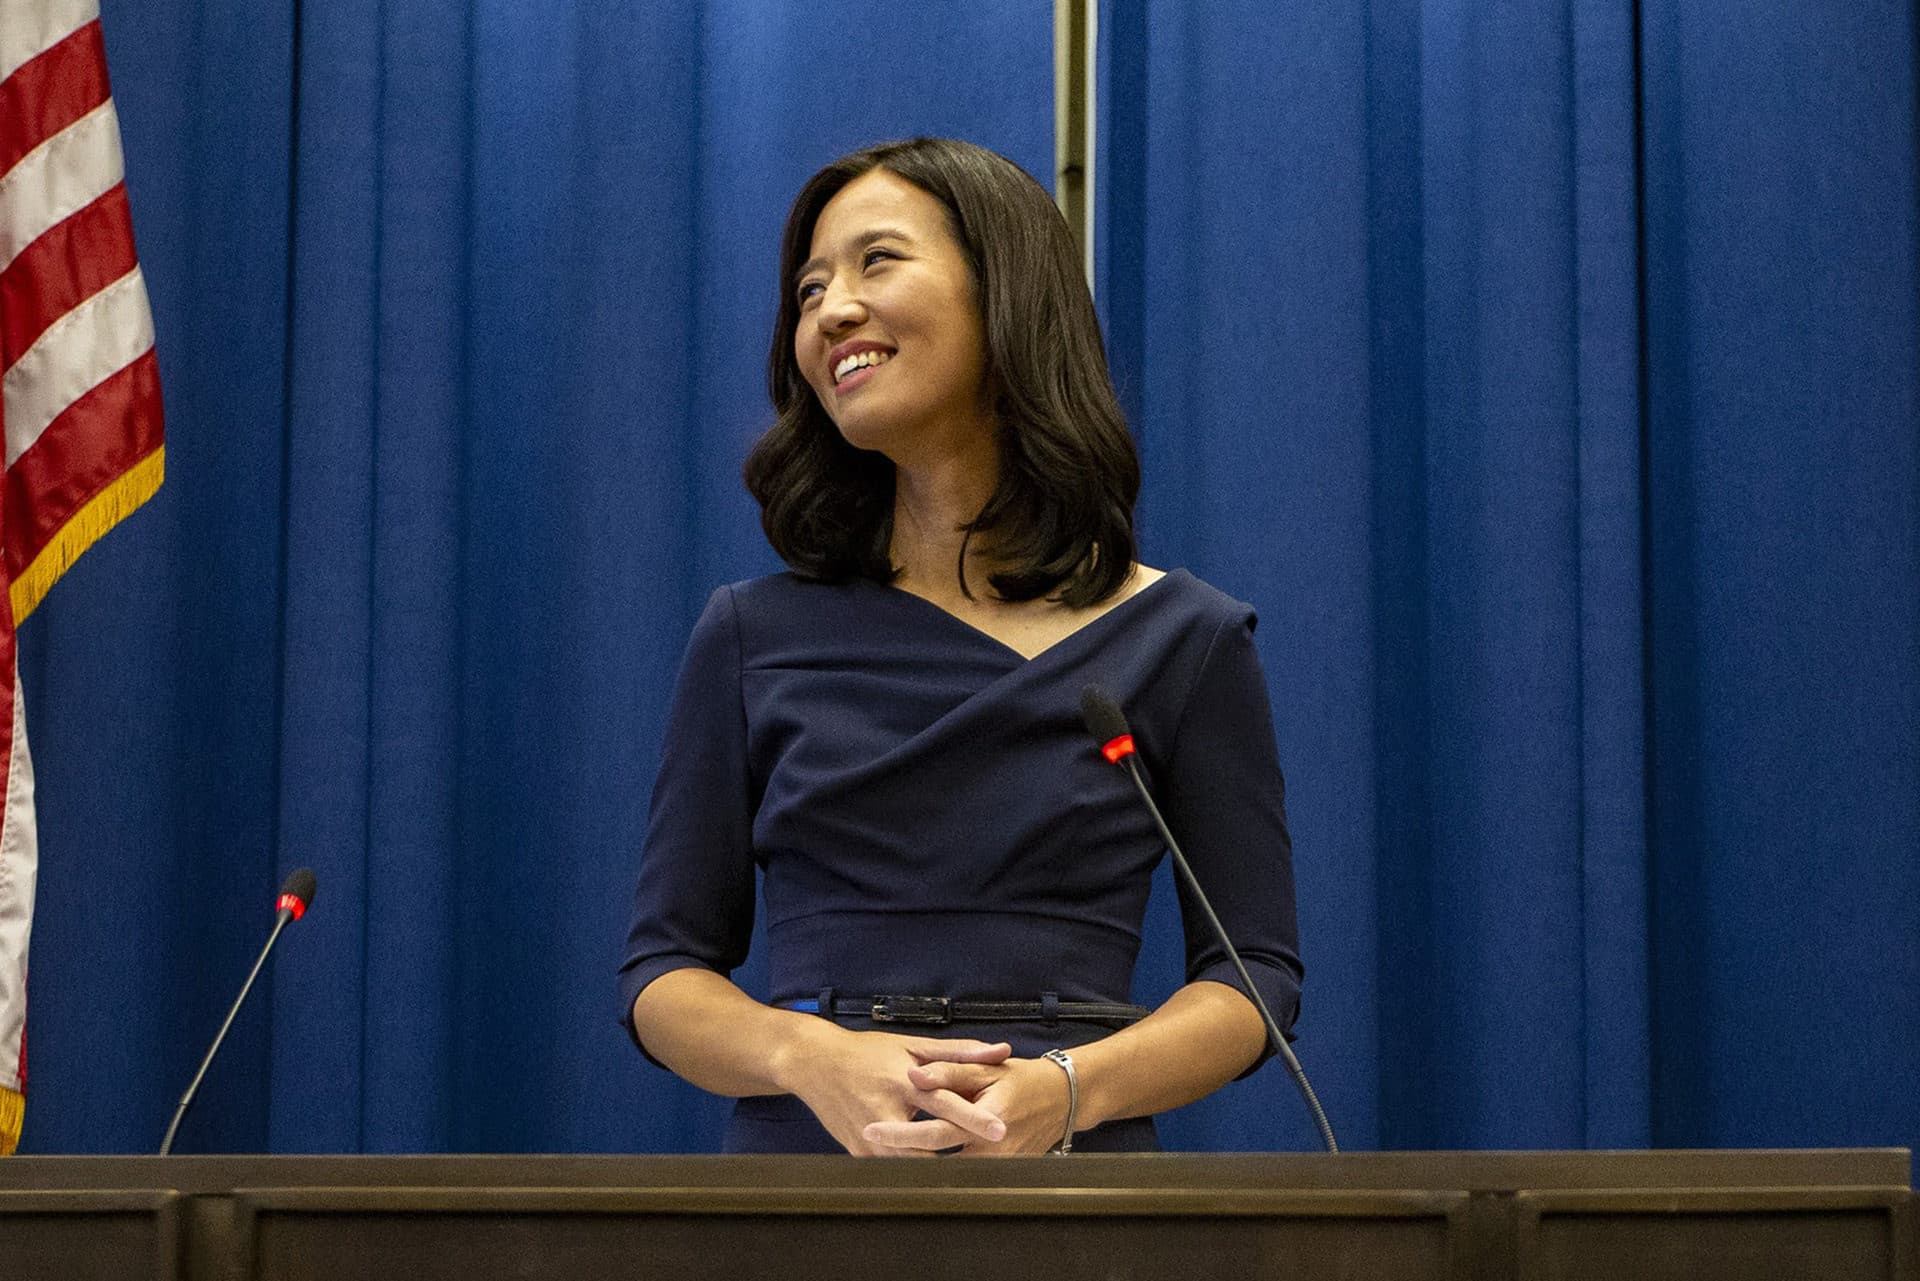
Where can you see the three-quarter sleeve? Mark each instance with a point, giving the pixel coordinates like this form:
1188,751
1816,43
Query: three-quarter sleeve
1225,801
693,906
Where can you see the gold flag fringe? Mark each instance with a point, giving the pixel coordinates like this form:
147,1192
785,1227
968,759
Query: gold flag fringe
85,527
13,1110
102,512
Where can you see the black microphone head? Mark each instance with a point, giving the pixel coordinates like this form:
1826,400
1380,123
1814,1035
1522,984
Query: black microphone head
300,885
1104,719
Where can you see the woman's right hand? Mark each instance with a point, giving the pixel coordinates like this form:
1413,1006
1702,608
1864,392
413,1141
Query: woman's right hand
848,1079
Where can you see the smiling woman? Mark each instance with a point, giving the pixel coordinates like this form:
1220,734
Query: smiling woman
891,732
982,268
889,286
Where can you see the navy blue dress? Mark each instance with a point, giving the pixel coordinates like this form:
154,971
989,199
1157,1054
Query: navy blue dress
932,818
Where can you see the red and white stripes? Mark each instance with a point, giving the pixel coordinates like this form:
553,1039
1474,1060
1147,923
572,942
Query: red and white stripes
79,391
81,388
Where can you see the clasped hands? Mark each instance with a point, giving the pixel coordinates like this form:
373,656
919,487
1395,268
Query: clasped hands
969,1095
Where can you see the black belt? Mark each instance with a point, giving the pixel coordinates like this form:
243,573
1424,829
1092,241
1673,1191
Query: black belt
936,1011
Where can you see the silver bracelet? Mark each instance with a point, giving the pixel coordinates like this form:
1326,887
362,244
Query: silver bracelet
1065,1145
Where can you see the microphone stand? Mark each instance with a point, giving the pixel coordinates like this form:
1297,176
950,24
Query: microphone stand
294,897
1274,1034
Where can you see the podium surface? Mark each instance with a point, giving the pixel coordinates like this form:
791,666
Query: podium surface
1571,1216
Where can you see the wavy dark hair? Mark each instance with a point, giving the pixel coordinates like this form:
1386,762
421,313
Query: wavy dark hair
1061,518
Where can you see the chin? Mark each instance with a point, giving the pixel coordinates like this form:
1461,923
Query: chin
864,430
865,437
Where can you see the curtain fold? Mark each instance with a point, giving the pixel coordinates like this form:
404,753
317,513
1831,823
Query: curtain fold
371,726
1611,570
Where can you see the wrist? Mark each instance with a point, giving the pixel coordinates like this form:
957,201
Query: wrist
804,1043
1070,1123
1092,1077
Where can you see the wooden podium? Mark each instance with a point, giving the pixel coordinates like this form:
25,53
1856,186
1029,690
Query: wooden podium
1571,1216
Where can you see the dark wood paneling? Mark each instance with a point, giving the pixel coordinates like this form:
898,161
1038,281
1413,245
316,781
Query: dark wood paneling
1783,1234
98,1235
1776,1216
827,1233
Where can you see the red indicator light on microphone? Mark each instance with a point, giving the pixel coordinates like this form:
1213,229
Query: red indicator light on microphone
1117,747
292,903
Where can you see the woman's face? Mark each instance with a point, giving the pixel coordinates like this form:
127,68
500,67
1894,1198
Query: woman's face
890,336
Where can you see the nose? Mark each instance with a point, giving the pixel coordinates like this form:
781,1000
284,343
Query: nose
841,307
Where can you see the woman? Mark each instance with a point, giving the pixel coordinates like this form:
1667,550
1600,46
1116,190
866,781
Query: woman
955,878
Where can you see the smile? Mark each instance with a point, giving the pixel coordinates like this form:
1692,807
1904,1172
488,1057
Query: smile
857,361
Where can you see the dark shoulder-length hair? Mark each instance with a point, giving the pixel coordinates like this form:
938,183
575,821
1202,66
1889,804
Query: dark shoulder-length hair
1061,519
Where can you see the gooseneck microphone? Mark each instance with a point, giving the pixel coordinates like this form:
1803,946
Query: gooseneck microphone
291,906
1109,728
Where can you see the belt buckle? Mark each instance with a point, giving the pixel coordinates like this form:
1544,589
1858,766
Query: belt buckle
912,1009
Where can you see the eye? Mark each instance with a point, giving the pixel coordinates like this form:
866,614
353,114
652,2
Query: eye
808,290
875,255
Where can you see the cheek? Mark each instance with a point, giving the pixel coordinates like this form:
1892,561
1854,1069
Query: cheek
818,384
809,368
967,337
970,350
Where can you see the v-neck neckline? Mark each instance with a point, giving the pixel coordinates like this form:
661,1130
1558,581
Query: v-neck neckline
1022,659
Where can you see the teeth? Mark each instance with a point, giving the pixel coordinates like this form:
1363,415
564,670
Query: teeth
859,360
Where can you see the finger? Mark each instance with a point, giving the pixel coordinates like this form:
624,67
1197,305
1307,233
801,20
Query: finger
937,1050
962,1078
921,1137
976,1121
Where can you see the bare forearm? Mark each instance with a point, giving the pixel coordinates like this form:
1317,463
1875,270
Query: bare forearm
1204,1036
716,1036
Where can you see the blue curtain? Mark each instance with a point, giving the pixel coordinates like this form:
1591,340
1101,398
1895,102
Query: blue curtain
1545,374
465,311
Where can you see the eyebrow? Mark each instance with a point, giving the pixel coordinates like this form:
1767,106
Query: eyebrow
866,238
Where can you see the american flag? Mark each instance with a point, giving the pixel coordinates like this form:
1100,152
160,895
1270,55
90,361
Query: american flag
81,407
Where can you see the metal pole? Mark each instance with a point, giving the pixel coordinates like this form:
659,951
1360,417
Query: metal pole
1075,69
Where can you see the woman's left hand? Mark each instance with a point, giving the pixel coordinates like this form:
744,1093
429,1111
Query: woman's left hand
1029,1095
